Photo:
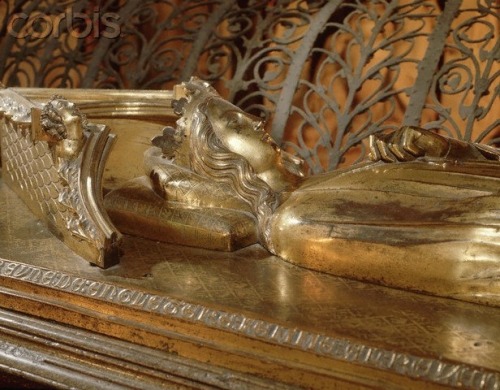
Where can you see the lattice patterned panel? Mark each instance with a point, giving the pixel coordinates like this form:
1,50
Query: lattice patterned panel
57,188
31,169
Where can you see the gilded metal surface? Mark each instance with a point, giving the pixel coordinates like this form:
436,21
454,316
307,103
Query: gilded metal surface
54,160
252,294
219,177
70,365
102,104
325,74
134,117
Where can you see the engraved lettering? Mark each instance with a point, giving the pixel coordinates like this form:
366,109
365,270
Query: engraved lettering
297,334
224,320
77,284
125,296
248,326
55,279
170,307
364,354
189,311
28,275
468,377
281,335
449,374
110,292
339,348
203,315
154,303
325,345
41,276
412,366
401,363
261,328
47,278
34,276
94,288
308,340
11,267
421,367
21,271
140,299
212,317
85,288
351,352
385,359
491,381
237,322
64,282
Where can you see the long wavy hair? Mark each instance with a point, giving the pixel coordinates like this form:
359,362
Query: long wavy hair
210,158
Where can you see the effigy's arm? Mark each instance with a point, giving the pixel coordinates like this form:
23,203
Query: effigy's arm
410,143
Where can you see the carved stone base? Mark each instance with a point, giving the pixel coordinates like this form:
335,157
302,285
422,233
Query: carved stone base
177,316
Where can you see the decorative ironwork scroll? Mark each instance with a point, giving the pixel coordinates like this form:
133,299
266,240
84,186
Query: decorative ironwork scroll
324,74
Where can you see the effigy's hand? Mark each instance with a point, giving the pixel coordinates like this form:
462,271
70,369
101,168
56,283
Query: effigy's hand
407,144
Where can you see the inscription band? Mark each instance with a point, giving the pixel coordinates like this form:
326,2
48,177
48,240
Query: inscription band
456,375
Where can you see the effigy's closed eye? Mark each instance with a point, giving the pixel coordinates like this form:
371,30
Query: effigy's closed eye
233,123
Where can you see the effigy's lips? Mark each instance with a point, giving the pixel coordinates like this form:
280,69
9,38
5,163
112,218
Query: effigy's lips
58,174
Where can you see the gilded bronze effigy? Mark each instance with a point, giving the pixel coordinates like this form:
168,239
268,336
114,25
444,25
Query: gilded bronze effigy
421,215
237,310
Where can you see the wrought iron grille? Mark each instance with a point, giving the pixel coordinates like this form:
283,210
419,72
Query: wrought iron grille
325,74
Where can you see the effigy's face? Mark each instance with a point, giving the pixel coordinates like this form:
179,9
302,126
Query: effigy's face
242,133
71,117
64,108
234,119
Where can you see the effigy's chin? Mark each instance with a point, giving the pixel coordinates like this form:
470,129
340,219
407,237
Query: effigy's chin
429,228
